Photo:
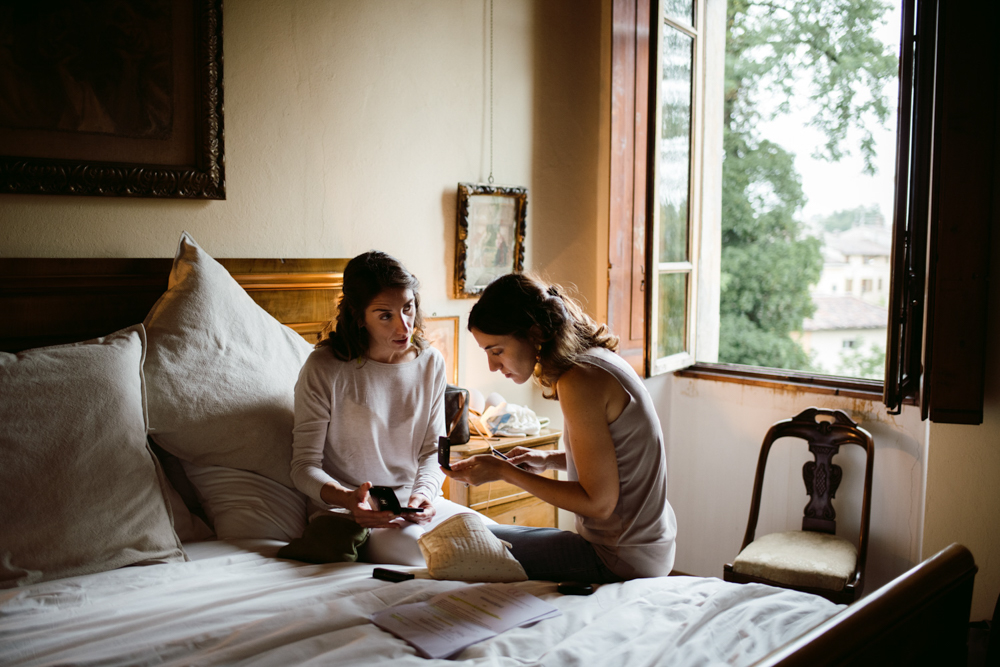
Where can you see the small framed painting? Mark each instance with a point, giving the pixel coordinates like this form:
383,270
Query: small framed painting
491,229
442,334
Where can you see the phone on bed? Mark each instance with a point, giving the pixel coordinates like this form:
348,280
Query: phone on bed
386,500
444,452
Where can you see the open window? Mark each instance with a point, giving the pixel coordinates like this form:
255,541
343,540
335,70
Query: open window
666,207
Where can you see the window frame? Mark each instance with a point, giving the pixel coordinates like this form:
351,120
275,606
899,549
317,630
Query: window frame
936,338
690,267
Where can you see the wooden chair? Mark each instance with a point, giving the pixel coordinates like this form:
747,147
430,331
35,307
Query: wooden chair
814,559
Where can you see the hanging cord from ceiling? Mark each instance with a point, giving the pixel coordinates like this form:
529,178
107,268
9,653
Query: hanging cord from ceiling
490,180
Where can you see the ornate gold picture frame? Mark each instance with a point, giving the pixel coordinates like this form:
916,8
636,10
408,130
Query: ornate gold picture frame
115,103
491,229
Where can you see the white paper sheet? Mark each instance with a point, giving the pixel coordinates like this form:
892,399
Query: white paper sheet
452,621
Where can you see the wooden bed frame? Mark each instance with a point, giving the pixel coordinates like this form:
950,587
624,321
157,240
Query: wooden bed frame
56,301
921,617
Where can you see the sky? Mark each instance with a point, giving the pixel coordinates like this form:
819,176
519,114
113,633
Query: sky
836,186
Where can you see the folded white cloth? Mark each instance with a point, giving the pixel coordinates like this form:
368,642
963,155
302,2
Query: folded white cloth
507,419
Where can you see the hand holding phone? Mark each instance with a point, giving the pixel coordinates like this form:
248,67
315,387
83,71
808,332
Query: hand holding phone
386,500
444,452
496,452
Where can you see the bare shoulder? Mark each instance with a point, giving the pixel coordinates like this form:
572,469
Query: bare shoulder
586,383
592,389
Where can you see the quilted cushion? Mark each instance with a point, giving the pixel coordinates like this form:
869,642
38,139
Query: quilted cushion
800,558
462,548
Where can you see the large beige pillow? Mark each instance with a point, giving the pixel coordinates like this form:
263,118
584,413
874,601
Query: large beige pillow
80,490
221,371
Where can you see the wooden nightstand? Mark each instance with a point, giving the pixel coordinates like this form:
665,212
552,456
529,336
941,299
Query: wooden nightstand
503,502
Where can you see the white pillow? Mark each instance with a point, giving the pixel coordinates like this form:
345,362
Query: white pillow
242,504
80,490
463,548
221,371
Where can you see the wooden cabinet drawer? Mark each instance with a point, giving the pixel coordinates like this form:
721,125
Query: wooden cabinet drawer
498,492
503,502
529,511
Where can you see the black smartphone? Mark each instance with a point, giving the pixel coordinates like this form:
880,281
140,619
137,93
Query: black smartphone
391,575
444,452
575,588
386,500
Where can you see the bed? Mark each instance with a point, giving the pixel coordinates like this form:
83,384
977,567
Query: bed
166,554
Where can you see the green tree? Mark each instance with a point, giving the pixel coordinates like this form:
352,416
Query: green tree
843,220
863,361
777,50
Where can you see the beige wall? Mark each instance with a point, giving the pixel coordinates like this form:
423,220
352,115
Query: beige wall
714,432
348,125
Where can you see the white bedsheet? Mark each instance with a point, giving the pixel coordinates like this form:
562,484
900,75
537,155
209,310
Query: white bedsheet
233,604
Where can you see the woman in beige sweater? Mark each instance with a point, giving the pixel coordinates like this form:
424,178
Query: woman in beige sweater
369,407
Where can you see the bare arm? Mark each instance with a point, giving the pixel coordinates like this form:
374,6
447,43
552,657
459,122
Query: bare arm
538,460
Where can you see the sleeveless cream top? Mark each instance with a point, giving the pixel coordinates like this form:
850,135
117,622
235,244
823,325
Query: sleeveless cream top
637,540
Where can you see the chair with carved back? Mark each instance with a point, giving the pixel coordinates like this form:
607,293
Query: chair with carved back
813,559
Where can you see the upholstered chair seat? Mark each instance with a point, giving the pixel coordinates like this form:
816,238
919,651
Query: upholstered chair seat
801,559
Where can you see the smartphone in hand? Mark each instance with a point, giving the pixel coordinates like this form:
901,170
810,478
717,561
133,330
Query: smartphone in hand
496,452
386,500
444,452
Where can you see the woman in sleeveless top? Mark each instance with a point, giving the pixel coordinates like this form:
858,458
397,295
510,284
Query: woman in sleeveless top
615,478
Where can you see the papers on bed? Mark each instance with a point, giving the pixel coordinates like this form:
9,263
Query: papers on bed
449,622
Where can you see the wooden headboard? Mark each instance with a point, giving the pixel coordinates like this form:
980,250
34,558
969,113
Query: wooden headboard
56,301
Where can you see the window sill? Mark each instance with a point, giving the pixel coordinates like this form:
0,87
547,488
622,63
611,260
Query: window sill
776,378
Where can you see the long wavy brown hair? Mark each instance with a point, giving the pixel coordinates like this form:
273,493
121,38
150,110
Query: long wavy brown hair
553,322
365,277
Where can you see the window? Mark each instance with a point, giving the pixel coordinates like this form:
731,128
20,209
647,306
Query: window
674,237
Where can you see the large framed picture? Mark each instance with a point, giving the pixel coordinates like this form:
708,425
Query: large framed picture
491,228
103,97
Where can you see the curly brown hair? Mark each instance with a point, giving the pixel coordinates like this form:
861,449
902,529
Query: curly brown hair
365,277
528,308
